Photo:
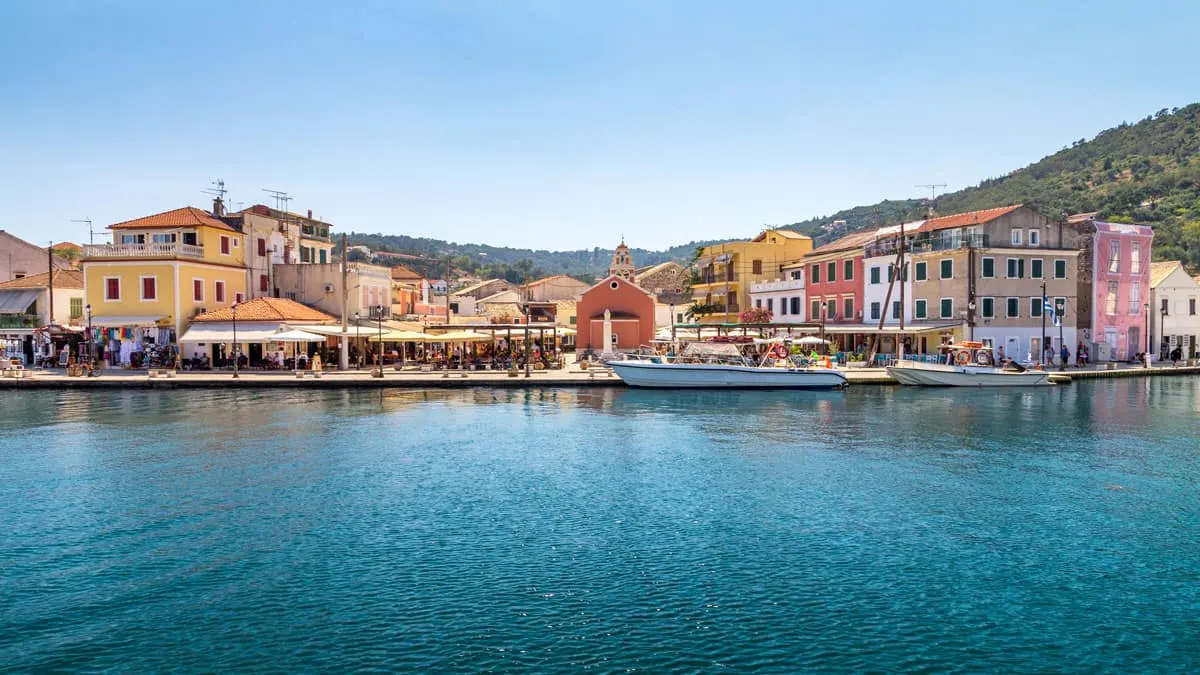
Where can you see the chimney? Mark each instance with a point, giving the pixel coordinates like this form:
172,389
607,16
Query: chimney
218,207
310,214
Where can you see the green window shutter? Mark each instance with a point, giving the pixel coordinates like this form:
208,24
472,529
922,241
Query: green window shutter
947,269
1060,269
947,308
919,310
1035,268
989,308
874,275
921,274
989,268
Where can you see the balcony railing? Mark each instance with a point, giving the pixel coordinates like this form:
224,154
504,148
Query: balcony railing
18,321
172,250
777,285
950,243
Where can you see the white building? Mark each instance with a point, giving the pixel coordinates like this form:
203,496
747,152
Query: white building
784,298
878,273
1174,321
320,286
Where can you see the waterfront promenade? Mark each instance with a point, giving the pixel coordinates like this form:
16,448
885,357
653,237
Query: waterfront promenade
572,376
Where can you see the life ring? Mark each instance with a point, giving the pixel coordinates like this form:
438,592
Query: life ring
962,358
781,352
983,358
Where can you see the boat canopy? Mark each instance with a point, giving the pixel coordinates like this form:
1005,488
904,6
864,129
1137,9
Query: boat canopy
712,349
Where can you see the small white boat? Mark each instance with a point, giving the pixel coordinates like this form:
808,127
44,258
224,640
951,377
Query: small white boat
968,364
723,366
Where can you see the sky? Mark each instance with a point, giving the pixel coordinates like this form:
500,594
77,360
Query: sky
556,124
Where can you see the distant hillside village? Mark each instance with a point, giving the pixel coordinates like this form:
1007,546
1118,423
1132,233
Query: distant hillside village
192,283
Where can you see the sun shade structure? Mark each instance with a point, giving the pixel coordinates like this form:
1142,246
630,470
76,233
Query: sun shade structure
295,335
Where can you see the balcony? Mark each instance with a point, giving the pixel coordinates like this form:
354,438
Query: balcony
171,250
19,321
314,232
777,285
949,243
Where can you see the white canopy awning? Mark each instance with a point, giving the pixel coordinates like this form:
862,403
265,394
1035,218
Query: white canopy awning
222,332
113,321
294,335
17,300
336,330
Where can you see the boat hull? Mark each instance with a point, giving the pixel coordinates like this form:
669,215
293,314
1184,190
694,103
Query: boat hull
704,376
928,375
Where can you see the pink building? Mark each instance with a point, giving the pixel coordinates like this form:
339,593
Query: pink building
1120,290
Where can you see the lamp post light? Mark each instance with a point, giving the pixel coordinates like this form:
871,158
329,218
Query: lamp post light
1146,356
379,319
233,308
1162,335
88,310
970,320
358,338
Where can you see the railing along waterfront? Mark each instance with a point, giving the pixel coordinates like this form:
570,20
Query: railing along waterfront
142,250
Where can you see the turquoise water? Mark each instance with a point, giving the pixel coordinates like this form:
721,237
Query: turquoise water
1053,529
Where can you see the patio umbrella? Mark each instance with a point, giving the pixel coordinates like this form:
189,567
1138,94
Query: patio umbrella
812,340
296,336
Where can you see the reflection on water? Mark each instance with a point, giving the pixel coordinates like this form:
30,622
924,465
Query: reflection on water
878,528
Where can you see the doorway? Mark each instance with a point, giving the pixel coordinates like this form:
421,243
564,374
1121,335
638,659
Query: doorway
1135,342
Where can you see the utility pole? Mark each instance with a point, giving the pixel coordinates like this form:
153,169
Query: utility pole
50,281
1042,357
447,291
91,234
344,350
903,278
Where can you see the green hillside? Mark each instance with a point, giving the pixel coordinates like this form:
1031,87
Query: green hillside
1147,172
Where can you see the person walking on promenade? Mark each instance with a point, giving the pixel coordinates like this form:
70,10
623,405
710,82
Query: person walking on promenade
1176,355
1066,356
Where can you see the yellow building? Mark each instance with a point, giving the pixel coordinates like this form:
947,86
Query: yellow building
159,272
723,272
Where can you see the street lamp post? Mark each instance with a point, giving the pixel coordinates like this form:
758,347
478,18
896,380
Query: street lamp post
1146,356
970,320
1042,356
233,308
91,360
379,319
1162,335
358,339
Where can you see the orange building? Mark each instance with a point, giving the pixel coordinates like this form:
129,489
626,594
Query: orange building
631,313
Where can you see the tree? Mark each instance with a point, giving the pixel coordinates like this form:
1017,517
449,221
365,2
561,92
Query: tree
755,315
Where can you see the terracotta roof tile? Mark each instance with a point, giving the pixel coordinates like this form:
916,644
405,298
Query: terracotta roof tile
188,216
850,241
267,309
402,273
62,279
968,218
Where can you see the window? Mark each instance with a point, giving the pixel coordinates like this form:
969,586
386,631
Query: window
197,290
758,303
678,319
782,306
133,239
891,273
1035,238
895,309
847,308
947,268
236,242
989,268
168,238
1060,269
874,311
1016,237
848,270
771,305
1035,268
919,309
219,291
238,298
149,288
1165,306
1114,256
755,266
816,274
1191,306
831,309
77,308
224,245
262,247
189,238
1035,307
18,275
112,289
263,283
815,308
987,308
1110,300
1135,299
1016,268
797,275
875,275
831,272
921,272
947,308
1135,259
1013,310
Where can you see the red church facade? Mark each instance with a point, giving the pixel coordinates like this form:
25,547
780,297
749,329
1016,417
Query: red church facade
631,311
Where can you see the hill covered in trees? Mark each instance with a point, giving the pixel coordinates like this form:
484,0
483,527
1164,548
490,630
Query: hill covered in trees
1146,172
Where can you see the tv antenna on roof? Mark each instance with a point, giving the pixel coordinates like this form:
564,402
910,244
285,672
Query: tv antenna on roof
281,199
932,194
91,234
217,190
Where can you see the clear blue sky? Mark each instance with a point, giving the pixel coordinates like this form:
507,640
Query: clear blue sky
556,124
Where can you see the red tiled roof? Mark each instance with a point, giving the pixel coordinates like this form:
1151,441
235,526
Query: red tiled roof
62,279
67,246
188,216
968,218
402,273
267,309
856,240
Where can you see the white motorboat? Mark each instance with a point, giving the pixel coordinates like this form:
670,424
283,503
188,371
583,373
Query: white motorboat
968,364
723,365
